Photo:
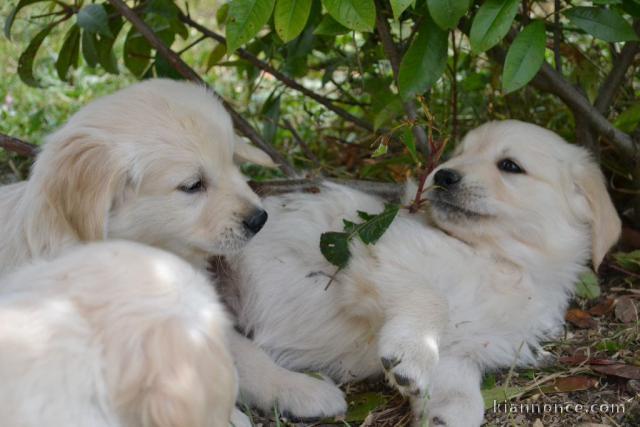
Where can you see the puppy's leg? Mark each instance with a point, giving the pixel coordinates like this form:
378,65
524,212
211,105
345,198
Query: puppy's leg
264,384
408,341
454,395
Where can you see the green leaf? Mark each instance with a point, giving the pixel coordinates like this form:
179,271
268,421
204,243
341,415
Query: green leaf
491,24
425,60
409,141
271,113
104,44
500,394
335,248
381,150
246,18
222,14
399,6
137,53
216,55
358,15
447,13
94,18
25,62
69,52
629,120
632,7
361,404
89,49
290,18
389,111
371,231
525,57
588,286
628,260
165,69
330,27
12,15
605,24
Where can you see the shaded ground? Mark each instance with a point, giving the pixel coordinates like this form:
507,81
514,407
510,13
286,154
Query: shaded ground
591,378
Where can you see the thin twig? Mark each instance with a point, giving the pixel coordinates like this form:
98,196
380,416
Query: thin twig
303,145
391,50
557,36
189,73
286,80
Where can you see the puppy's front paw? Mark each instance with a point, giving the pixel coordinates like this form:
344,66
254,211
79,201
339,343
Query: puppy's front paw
307,398
407,359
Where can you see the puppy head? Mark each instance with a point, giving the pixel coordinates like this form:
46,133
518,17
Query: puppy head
154,163
520,187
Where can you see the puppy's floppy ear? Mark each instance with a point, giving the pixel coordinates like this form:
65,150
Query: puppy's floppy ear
80,178
605,222
244,152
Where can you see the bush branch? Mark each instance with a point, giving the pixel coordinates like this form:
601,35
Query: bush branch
391,50
18,146
189,73
283,78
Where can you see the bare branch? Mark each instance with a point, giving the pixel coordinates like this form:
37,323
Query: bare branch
286,80
391,50
18,146
189,73
616,76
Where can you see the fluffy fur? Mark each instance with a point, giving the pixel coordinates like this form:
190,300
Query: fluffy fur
113,334
153,163
475,285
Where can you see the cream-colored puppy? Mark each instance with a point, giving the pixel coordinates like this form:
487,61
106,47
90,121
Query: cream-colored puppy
516,216
154,163
113,334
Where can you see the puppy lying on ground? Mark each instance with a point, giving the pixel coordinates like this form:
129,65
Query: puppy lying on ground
113,334
153,163
515,216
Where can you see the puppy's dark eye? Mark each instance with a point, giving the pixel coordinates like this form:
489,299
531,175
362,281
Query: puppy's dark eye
191,188
509,166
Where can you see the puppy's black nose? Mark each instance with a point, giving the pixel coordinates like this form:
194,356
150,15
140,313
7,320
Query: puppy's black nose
446,178
255,221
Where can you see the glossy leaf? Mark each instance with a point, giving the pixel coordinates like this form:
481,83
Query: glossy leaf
389,111
290,18
491,23
27,58
371,230
335,248
245,18
425,60
8,24
216,55
137,53
94,18
605,24
447,13
629,119
330,27
89,49
399,6
69,52
525,57
358,15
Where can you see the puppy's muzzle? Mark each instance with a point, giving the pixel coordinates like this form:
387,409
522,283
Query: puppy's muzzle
447,178
255,221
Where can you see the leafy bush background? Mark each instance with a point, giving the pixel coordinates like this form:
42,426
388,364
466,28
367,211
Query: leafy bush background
443,75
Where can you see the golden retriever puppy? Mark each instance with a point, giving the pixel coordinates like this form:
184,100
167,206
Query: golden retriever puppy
154,163
113,334
515,217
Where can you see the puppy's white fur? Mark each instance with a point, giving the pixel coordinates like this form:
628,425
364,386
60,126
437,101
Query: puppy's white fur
113,334
116,170
438,302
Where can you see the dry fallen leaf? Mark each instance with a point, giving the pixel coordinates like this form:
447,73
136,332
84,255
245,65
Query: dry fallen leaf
580,358
567,384
580,318
602,308
626,310
620,370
